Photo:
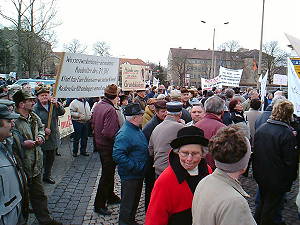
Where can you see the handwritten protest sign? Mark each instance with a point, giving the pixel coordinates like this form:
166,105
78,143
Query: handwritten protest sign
85,75
280,79
132,77
65,125
230,77
208,84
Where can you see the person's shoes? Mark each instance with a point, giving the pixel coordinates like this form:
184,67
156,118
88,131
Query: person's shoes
103,211
75,155
114,200
49,180
53,222
84,154
58,154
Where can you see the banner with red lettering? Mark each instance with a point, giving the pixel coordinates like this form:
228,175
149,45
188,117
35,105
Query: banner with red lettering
65,124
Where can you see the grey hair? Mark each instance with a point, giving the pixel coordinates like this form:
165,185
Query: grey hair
129,118
214,105
276,99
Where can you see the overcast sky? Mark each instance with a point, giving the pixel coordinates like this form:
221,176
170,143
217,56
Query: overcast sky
148,29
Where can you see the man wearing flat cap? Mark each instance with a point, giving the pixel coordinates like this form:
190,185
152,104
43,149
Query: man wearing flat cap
105,125
49,148
141,98
28,146
163,134
130,152
13,190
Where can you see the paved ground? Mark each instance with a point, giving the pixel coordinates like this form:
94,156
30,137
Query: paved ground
71,199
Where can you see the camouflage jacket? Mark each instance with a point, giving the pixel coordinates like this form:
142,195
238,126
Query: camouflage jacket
29,129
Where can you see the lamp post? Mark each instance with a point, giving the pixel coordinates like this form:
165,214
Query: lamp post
261,41
213,66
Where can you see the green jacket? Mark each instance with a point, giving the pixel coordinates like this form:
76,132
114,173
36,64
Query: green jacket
29,129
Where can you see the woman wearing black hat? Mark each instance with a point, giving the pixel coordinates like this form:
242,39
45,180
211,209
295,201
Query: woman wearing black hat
171,198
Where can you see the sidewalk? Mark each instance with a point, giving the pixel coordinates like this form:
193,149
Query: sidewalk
71,199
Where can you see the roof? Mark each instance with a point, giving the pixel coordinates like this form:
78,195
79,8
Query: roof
133,61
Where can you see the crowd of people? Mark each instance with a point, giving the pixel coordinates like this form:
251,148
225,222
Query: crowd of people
186,146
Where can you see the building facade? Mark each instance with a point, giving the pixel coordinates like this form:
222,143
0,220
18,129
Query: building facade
188,66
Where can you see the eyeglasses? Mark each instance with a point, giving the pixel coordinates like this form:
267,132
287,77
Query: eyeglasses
186,154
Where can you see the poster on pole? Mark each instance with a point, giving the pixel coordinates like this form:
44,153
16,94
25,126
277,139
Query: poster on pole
132,77
280,79
65,125
230,77
263,89
293,87
208,84
85,75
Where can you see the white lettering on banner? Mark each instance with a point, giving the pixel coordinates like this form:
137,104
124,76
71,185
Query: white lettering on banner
86,75
132,77
65,125
293,87
230,77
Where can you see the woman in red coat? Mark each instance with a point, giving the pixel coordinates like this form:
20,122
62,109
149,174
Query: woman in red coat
172,195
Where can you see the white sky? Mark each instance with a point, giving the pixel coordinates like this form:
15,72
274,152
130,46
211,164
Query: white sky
148,29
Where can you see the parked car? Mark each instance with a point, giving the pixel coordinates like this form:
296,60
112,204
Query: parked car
32,82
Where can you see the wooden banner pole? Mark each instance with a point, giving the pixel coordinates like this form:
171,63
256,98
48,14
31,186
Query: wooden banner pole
54,91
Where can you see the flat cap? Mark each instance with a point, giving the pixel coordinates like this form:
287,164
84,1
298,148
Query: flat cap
174,107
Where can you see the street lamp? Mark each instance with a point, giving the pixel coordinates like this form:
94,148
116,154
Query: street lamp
261,41
213,50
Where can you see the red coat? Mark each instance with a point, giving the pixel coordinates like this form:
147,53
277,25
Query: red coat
105,124
210,125
171,197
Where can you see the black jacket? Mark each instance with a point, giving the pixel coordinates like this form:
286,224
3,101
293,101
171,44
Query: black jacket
275,156
149,127
263,117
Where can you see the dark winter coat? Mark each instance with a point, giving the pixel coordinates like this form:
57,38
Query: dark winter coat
263,117
149,127
275,156
53,140
130,152
105,124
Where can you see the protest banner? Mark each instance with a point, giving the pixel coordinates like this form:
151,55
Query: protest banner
208,84
155,82
230,77
132,77
295,42
65,125
85,75
296,63
293,87
263,89
280,79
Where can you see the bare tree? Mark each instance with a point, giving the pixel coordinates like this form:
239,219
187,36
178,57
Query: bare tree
35,20
180,66
101,48
75,46
230,46
274,58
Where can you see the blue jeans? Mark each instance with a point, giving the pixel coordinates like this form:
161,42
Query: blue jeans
80,133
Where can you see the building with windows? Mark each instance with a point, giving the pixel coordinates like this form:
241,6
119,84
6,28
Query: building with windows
188,66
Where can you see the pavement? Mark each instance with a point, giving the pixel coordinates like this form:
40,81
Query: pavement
71,199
